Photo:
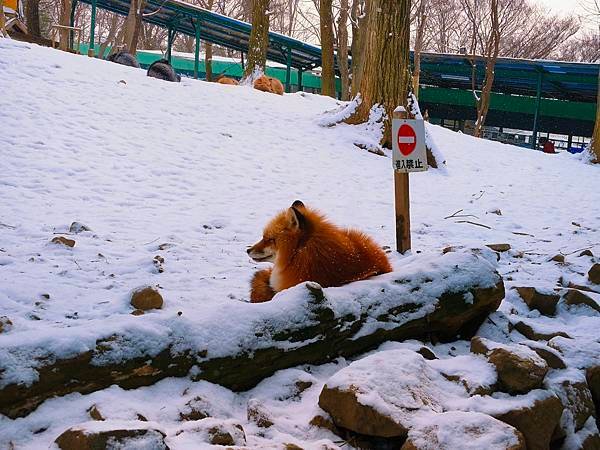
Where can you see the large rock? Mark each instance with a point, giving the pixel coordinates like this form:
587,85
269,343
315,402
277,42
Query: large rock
519,368
443,297
572,389
146,298
108,434
473,372
536,422
382,394
592,376
463,430
538,332
574,297
594,274
544,302
548,354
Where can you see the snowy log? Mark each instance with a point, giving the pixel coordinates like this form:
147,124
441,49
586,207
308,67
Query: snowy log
240,344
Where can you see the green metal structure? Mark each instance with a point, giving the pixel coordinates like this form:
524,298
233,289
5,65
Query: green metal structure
555,97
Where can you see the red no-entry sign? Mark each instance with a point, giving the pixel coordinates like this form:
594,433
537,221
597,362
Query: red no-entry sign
407,139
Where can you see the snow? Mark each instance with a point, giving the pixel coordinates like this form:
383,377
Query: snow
192,171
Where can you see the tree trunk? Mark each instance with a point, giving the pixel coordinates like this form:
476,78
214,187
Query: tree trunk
259,40
421,19
65,20
491,55
208,50
132,26
327,58
359,14
595,144
343,49
2,20
275,341
112,33
32,18
386,74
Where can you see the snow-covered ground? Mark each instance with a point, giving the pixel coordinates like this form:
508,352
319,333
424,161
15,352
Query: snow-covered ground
192,171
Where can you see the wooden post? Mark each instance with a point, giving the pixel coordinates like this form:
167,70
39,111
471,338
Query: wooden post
402,201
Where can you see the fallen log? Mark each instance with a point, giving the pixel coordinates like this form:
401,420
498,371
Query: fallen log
239,345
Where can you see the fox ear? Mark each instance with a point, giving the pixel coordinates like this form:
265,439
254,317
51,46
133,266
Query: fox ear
297,204
296,218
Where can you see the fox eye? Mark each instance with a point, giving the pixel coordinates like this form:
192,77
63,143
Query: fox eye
268,240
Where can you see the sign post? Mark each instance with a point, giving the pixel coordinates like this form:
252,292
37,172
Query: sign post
409,154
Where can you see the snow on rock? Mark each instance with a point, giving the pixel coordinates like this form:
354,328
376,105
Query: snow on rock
208,431
382,394
476,374
462,430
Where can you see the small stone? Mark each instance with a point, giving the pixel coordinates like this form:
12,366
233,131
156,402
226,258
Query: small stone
592,376
543,302
195,409
427,353
301,386
137,312
219,435
594,274
258,414
63,241
46,296
78,227
5,324
292,447
95,413
574,297
548,354
558,258
536,335
146,298
587,252
499,247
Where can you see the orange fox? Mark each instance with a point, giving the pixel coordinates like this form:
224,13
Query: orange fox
304,246
227,80
268,84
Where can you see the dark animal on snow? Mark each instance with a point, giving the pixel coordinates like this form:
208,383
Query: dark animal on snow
127,59
162,70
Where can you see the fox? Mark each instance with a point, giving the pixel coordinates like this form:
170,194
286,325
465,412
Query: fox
268,84
227,80
304,245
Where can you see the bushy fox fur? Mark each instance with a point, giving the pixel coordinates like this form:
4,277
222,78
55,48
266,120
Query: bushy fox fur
227,80
305,246
268,84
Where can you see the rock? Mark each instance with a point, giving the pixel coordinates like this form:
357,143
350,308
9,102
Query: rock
572,390
543,302
587,252
78,227
518,373
473,372
519,368
301,386
326,423
594,274
574,297
137,312
97,438
146,298
463,430
536,421
210,431
5,324
499,247
535,334
381,395
195,409
591,441
548,354
63,241
427,353
292,447
257,413
592,375
95,413
558,258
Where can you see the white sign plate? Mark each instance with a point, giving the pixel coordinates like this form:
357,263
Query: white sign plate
408,145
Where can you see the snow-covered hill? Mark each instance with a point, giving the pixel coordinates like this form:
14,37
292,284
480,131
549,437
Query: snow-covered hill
201,167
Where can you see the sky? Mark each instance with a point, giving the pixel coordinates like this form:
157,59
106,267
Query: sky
564,6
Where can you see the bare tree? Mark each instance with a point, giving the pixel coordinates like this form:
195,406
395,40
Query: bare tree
65,20
358,18
132,26
386,73
342,53
32,17
420,20
259,39
327,54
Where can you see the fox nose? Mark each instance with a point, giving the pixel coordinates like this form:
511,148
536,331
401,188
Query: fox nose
248,250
